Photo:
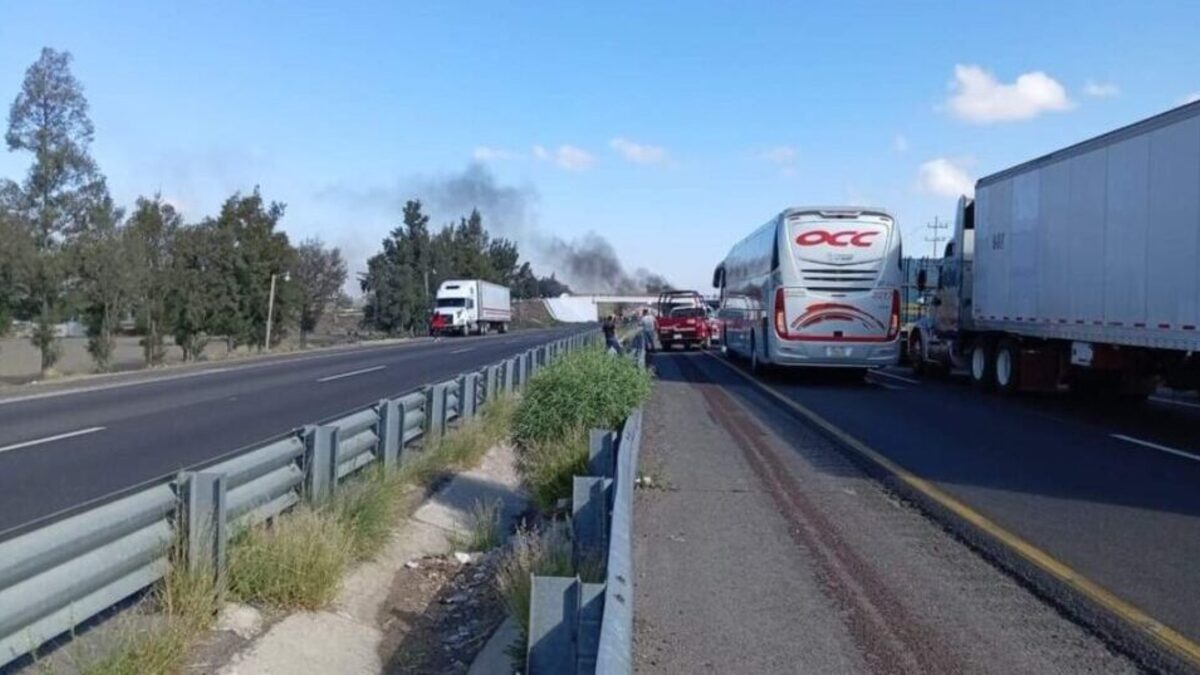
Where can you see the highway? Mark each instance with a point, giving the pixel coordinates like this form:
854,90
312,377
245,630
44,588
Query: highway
67,447
1109,491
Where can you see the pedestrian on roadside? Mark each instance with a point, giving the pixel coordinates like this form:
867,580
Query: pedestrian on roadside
610,334
648,330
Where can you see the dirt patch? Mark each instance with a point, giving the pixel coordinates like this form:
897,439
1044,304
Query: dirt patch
439,614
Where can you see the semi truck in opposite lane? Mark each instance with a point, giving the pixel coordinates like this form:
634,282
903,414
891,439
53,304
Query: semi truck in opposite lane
1078,268
466,306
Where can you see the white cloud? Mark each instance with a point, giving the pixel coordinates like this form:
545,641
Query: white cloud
566,157
782,155
900,143
1101,89
485,153
978,97
1190,98
944,178
638,153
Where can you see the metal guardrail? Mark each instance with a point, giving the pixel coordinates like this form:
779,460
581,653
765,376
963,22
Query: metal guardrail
60,576
577,626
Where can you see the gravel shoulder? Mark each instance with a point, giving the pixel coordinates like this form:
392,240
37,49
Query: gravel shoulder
767,551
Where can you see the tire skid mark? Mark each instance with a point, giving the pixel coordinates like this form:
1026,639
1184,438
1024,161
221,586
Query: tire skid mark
892,640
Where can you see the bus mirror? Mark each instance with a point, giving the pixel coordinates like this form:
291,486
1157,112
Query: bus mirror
922,280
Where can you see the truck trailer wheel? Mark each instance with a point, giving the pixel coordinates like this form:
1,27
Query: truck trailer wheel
503,328
983,365
1007,366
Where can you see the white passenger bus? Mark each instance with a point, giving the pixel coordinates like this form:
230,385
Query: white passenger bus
815,286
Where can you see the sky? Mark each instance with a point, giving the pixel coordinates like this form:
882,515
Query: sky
669,129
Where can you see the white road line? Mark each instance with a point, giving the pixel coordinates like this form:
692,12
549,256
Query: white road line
51,439
882,373
464,350
352,373
1156,446
1159,399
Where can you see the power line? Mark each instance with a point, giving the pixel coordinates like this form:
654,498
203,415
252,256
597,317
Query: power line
935,228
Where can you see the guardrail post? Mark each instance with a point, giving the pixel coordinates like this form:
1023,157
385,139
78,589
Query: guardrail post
204,518
435,411
466,395
505,375
589,519
491,381
564,625
321,447
602,455
391,425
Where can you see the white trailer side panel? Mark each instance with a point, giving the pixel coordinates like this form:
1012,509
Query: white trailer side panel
1126,231
1174,221
494,302
1100,242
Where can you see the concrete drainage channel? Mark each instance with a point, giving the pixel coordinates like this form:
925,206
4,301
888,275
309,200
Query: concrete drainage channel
60,576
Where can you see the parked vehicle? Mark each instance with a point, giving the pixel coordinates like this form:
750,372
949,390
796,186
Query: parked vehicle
682,320
814,286
1077,268
466,306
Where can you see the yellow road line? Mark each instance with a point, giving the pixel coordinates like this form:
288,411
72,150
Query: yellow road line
1166,636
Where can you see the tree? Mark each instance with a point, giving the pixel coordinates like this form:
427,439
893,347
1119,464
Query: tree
197,289
49,119
397,278
502,259
550,287
99,257
254,252
15,254
150,240
319,275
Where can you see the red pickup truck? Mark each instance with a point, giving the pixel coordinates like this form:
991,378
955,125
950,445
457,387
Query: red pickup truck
683,320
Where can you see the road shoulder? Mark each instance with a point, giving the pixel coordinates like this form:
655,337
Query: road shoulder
814,562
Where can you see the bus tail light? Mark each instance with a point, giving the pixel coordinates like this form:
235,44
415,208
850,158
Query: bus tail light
780,314
894,324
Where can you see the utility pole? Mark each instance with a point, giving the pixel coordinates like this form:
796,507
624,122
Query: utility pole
936,237
271,306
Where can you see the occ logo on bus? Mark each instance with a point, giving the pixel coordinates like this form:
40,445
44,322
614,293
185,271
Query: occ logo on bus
839,239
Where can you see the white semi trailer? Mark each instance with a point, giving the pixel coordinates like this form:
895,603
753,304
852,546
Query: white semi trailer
466,306
1078,268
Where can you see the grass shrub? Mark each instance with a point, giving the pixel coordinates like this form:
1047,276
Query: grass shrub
549,468
482,527
544,552
296,564
586,389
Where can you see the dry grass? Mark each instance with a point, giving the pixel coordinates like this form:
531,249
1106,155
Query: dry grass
295,564
186,604
482,527
549,468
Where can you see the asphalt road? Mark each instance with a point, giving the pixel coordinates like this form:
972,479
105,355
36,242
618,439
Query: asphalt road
1111,491
65,448
764,549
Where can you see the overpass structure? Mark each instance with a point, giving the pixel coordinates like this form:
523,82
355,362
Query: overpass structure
585,308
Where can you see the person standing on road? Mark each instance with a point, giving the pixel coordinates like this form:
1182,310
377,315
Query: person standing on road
647,330
610,334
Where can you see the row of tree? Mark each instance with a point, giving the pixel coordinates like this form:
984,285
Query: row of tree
68,251
403,277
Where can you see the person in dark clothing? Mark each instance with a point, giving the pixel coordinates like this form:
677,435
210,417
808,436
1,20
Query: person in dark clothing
610,334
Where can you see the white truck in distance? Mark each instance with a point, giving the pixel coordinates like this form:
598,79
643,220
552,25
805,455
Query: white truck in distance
1077,268
465,306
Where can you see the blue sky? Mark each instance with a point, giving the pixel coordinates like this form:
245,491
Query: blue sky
671,129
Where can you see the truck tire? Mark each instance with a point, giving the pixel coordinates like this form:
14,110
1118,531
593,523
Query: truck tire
1007,366
483,327
755,362
982,365
465,330
503,328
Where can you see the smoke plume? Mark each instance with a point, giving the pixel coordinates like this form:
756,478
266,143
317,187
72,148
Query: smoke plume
588,264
